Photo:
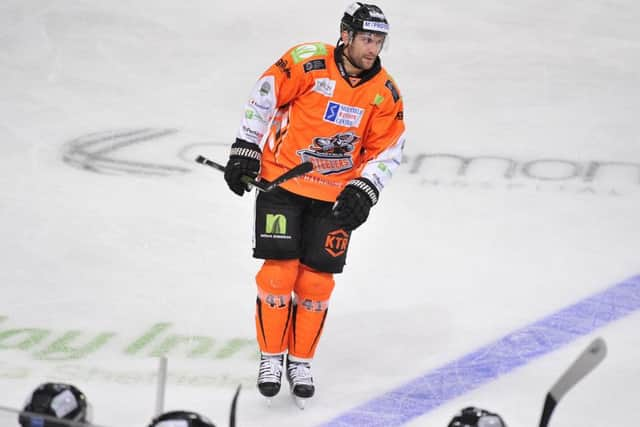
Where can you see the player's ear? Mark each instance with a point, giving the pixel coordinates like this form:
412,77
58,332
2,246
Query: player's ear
345,36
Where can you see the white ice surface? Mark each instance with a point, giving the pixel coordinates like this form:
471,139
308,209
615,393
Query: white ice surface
445,264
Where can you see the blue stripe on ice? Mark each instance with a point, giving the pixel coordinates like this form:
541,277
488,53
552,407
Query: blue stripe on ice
431,390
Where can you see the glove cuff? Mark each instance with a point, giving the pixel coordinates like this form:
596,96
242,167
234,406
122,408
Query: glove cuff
242,148
367,187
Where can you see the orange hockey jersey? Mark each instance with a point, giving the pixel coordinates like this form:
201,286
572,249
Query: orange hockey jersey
303,108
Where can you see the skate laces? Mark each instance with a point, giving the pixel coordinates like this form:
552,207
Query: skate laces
270,368
299,372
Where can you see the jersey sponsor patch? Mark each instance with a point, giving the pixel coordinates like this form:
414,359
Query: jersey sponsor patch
315,64
343,115
266,104
275,227
394,92
283,65
251,135
325,86
276,224
254,115
265,88
305,51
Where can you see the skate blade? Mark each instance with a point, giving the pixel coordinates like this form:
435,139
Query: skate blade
267,399
299,401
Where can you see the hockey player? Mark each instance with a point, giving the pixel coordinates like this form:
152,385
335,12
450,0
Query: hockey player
181,419
337,107
476,417
54,405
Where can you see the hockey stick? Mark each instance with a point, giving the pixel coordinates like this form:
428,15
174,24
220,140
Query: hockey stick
234,402
161,384
585,363
299,170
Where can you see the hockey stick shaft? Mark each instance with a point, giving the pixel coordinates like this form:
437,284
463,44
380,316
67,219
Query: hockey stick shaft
161,384
549,405
234,404
295,172
204,161
585,363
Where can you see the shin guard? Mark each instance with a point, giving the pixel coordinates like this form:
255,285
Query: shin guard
312,290
275,280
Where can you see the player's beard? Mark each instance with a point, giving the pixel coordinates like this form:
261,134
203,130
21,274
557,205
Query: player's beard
358,61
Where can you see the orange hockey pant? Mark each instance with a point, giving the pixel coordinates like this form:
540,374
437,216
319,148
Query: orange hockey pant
283,323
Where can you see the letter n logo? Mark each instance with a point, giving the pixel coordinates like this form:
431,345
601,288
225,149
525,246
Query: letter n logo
276,224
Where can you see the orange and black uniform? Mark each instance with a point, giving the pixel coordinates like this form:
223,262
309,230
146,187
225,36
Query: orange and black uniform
306,108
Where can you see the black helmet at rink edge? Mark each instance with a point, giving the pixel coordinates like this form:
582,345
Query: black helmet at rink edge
181,419
55,401
476,417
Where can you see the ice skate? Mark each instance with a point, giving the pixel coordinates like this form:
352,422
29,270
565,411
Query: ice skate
300,380
270,375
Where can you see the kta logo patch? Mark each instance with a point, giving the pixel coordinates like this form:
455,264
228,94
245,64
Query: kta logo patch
336,242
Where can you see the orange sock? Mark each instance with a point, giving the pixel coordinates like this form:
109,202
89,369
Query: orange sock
313,290
275,280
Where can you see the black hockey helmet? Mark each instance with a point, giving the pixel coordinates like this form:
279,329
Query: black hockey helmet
56,401
476,417
360,17
181,419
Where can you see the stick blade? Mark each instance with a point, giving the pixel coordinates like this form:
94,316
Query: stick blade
585,363
298,170
304,167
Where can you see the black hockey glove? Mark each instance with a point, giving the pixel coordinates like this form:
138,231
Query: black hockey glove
354,202
244,159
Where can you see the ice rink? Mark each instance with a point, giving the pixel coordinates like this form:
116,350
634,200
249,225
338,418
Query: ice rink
507,241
